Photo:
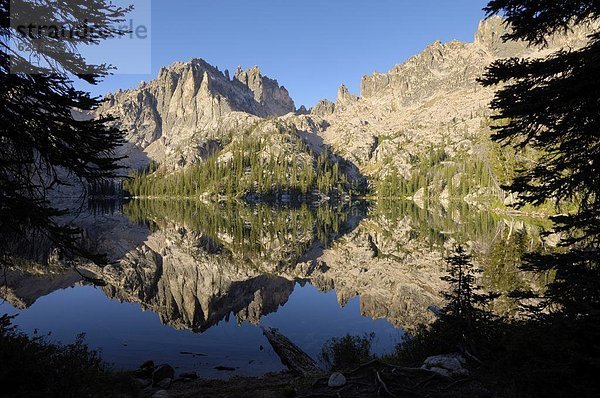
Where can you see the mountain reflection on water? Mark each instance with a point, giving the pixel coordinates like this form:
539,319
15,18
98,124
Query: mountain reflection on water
213,273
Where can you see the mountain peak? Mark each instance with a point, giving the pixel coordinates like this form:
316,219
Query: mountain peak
491,30
344,97
194,101
267,92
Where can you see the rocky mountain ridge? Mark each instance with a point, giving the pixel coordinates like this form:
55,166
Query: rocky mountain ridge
431,100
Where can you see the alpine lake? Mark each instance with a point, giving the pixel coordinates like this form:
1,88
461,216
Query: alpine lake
191,283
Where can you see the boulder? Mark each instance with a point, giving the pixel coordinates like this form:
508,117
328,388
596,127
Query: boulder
145,370
160,394
162,372
143,383
451,365
441,371
336,380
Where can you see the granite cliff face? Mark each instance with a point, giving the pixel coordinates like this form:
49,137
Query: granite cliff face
273,99
189,107
446,67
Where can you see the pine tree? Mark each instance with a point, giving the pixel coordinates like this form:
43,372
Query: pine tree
41,141
551,105
466,307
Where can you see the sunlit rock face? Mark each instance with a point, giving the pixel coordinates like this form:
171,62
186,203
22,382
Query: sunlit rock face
432,99
188,106
271,99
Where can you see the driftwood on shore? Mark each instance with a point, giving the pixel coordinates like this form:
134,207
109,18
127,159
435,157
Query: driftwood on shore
296,360
372,379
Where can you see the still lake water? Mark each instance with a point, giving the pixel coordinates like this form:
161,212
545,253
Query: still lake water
190,284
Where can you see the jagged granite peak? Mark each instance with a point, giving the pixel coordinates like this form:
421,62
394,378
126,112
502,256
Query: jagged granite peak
439,66
442,65
267,92
323,108
190,104
344,98
447,66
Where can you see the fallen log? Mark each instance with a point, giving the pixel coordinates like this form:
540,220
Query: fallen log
296,360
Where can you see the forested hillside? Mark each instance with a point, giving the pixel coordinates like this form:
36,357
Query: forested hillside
267,161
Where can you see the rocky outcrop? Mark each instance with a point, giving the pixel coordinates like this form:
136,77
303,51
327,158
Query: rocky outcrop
448,66
440,67
451,365
344,98
268,94
323,108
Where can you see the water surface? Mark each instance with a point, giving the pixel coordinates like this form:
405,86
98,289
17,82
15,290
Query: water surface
191,284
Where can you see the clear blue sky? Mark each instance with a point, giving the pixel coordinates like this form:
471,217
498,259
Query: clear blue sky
309,46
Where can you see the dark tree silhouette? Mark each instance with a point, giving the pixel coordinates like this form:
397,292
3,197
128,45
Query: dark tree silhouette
42,145
461,297
533,21
465,312
553,104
